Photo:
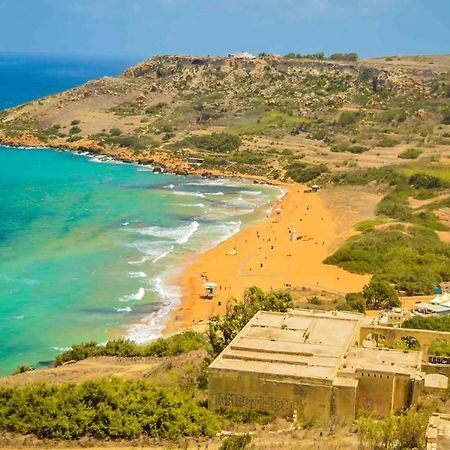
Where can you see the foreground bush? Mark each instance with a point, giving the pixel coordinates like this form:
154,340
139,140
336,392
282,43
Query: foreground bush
104,409
171,346
406,431
222,330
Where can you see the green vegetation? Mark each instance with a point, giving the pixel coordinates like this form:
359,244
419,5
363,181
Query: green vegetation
75,122
104,409
348,118
22,369
75,130
411,153
379,294
222,330
434,323
238,442
413,259
388,141
171,346
439,347
303,173
405,431
215,142
351,57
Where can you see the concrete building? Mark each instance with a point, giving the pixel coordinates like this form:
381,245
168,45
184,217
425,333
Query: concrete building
312,362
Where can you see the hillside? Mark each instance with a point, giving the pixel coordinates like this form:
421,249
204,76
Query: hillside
270,116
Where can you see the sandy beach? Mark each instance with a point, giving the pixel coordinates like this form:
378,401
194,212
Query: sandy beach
285,250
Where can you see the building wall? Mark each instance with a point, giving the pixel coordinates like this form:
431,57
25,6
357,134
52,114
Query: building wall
343,405
274,394
375,392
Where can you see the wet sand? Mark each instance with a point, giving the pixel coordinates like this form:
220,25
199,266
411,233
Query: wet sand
285,250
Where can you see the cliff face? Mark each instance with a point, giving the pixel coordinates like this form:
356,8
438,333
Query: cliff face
300,107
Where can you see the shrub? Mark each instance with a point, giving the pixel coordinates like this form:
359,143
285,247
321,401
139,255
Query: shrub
434,323
238,442
405,431
215,142
115,131
302,172
103,409
388,141
75,130
356,301
171,346
424,181
411,153
414,261
222,330
348,118
446,118
22,369
75,122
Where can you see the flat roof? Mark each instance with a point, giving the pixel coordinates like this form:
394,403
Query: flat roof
382,360
304,344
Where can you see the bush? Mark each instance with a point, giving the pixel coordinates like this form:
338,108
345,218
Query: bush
411,153
348,118
75,122
388,141
414,261
405,431
22,369
236,442
434,323
446,118
103,409
356,302
171,346
115,131
302,172
222,330
424,181
75,130
215,142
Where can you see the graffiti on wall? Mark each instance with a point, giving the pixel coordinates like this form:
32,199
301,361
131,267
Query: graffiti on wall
261,402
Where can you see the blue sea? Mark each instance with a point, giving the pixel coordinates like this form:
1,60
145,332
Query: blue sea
90,249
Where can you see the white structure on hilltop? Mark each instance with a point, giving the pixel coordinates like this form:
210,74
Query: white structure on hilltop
242,55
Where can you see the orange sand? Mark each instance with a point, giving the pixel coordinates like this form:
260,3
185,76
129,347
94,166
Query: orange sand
267,257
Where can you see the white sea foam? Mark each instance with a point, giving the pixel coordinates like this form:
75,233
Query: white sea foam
19,317
163,255
127,309
137,274
189,194
214,193
190,205
169,186
124,224
62,349
178,234
138,295
151,326
250,192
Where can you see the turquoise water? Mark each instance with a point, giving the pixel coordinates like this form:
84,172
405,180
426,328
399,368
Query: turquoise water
88,249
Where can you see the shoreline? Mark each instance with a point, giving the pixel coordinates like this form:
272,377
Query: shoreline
247,257
267,255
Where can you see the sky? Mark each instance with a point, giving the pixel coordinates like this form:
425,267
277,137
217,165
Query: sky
143,28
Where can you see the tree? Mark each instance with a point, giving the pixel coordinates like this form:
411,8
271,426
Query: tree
222,330
356,301
379,294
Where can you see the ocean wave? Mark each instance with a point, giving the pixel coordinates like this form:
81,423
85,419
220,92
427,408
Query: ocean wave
62,349
163,255
127,309
250,192
137,274
138,295
169,186
178,234
189,194
151,326
214,193
190,205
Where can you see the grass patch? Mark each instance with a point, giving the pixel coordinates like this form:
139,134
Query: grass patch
411,153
